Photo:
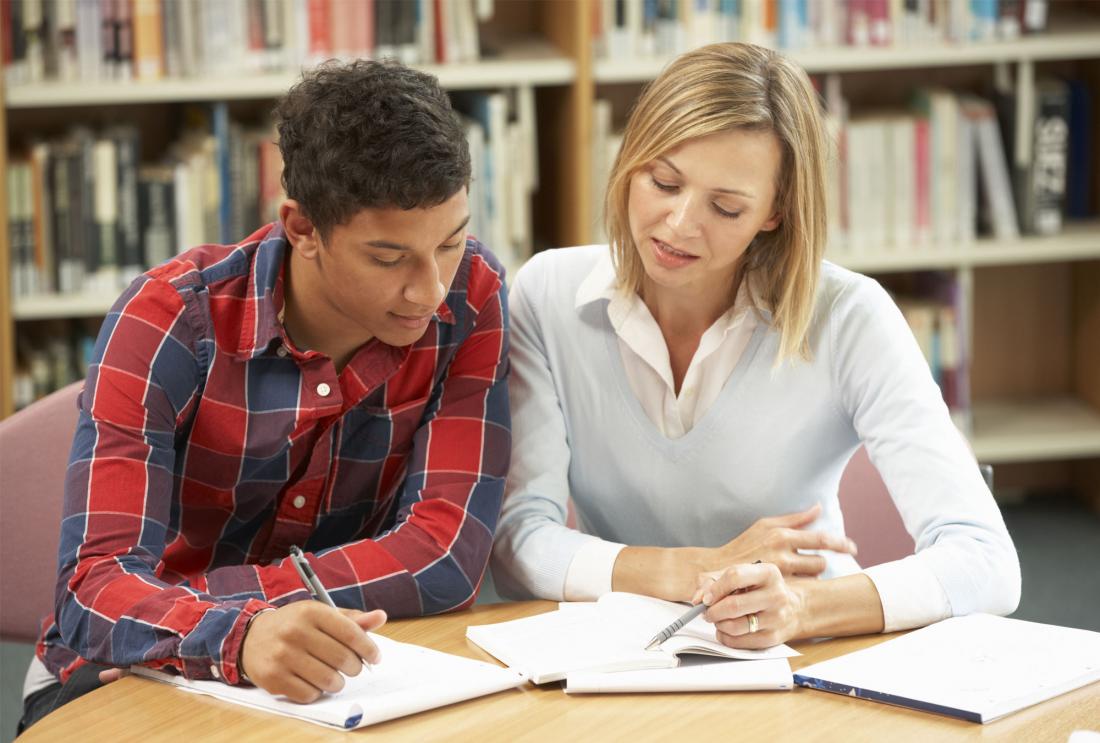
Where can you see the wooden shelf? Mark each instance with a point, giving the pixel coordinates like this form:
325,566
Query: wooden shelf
1077,242
1067,41
1034,430
528,63
53,306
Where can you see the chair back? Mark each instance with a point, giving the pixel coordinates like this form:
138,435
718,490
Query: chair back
34,454
870,517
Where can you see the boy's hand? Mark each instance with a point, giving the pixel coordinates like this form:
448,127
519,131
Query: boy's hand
300,650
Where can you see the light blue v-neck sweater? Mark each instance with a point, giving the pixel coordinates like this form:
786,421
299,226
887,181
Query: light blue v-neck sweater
776,440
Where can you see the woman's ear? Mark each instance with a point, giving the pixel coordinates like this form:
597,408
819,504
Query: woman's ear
772,223
299,229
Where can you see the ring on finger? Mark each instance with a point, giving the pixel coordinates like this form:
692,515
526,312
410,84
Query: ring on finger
754,623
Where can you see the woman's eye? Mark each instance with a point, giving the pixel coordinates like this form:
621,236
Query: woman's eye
662,186
724,213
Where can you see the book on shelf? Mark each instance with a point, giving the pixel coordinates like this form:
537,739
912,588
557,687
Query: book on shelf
932,304
105,40
1039,153
55,354
503,160
625,29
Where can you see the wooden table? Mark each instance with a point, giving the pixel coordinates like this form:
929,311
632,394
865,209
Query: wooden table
139,709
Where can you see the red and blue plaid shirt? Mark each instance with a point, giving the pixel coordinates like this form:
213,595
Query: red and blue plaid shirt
208,445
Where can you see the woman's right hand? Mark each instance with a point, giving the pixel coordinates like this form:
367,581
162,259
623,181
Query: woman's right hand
777,539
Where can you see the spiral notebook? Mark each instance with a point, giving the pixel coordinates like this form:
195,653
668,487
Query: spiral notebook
409,679
978,667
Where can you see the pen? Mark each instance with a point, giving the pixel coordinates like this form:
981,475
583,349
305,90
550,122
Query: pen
686,617
673,628
313,583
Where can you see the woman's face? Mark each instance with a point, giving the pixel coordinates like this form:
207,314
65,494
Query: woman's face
694,210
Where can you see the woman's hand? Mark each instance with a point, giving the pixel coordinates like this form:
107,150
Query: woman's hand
777,539
752,606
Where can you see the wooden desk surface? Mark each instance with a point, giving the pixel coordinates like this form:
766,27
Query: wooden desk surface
140,709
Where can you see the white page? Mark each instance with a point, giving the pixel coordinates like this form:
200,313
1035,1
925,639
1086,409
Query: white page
982,664
547,646
639,618
695,673
409,679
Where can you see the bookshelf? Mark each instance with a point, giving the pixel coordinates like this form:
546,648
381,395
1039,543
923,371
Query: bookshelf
1044,416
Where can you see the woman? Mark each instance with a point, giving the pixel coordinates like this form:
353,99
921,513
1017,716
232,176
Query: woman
697,389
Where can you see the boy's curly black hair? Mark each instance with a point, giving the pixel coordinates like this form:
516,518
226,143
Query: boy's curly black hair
368,134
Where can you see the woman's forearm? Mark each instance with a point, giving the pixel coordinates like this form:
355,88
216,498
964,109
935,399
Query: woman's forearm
838,606
665,572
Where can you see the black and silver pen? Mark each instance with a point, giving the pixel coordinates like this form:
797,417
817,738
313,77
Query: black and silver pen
313,583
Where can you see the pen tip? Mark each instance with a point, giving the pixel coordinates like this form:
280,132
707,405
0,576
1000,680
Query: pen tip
652,645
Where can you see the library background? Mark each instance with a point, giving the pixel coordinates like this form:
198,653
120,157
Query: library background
965,177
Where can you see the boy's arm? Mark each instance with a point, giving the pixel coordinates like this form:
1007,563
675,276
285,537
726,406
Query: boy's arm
111,605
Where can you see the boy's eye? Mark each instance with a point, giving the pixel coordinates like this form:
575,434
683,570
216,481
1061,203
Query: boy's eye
385,264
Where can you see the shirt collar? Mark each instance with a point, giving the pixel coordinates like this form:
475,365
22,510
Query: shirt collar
263,300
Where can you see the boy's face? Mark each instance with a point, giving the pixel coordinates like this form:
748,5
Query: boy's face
386,271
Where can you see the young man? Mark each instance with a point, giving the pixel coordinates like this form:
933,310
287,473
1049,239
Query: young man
338,381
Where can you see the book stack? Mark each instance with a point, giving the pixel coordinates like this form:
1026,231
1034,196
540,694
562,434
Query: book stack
648,28
89,217
101,40
48,360
934,307
947,168
501,131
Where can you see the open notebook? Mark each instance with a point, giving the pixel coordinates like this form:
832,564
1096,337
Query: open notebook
978,667
609,635
409,679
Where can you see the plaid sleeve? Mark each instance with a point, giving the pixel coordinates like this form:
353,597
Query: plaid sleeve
434,558
111,606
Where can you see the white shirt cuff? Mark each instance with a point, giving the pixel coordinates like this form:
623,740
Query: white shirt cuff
589,574
911,594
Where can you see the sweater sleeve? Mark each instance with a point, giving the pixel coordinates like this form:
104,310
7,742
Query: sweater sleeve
534,551
965,561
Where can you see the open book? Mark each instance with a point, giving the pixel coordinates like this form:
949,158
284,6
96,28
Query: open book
605,636
978,667
409,679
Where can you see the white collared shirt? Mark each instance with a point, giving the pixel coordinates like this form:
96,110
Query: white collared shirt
646,358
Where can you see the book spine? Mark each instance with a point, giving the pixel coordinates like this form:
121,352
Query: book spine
1051,145
148,40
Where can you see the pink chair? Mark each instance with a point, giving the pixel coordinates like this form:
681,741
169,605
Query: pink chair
34,452
870,517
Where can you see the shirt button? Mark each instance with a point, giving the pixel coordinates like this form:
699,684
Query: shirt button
214,672
281,352
299,501
323,389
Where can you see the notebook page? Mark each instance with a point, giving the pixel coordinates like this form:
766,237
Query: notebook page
547,646
641,617
409,679
982,664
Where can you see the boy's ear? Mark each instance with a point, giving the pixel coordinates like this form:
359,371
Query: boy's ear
299,229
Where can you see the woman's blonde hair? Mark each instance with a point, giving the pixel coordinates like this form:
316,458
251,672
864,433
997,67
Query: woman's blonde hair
723,87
